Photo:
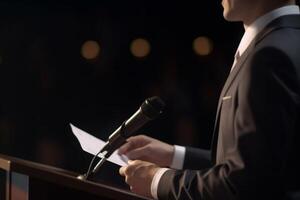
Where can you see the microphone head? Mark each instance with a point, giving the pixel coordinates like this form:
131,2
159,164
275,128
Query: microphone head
152,107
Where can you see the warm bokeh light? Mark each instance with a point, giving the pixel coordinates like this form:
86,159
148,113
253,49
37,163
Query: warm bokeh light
90,50
140,48
203,46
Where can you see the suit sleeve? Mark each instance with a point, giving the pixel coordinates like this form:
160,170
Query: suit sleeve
197,158
264,119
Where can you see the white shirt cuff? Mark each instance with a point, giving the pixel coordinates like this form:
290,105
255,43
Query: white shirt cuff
178,158
155,181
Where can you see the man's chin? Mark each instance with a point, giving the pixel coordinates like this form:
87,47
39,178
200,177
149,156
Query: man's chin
230,17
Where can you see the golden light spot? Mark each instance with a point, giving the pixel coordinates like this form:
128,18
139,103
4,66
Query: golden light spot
90,50
203,46
140,48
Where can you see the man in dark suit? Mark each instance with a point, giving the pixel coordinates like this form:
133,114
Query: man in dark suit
254,148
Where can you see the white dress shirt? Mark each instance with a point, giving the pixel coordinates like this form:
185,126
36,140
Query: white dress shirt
259,24
250,33
177,163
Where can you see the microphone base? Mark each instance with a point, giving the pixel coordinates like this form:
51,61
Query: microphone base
82,177
88,174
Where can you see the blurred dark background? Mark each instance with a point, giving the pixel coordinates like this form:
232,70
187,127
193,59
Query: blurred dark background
93,63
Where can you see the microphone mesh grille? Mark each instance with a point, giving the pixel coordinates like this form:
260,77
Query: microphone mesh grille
152,107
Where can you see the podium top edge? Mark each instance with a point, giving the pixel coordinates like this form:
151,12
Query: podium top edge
5,164
62,177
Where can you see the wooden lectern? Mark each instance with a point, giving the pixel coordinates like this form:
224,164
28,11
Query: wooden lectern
26,180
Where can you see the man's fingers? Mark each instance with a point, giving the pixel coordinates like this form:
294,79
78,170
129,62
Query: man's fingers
130,169
132,143
124,149
139,154
138,175
122,170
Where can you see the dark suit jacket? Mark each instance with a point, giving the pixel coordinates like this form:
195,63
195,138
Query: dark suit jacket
254,148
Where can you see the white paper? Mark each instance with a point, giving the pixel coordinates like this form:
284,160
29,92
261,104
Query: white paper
93,145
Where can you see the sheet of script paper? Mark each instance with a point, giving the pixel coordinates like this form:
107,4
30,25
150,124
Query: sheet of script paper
93,145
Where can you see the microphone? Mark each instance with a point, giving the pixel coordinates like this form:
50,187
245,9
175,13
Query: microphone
150,109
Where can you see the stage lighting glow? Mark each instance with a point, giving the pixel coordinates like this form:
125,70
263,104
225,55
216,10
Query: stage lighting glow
140,47
90,50
203,46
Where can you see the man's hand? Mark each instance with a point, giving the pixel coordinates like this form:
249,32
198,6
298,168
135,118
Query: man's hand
138,175
148,149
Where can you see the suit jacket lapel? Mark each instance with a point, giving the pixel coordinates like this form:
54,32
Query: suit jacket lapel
228,82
